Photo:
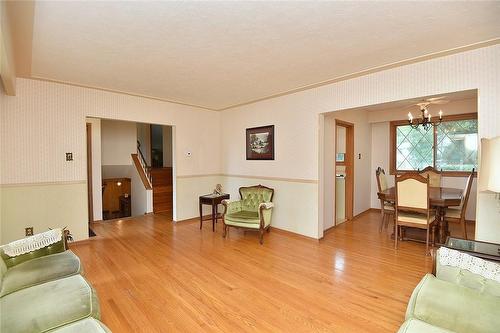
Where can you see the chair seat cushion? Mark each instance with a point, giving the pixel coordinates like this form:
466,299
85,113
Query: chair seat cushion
453,212
414,218
243,216
418,326
40,270
88,325
49,305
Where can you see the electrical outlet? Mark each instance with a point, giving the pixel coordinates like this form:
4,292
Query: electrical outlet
69,156
28,231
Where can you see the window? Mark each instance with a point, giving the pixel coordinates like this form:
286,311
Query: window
450,147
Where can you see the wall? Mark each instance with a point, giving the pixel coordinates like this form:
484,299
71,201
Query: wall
300,127
7,66
341,139
167,146
118,142
47,119
144,137
96,168
380,138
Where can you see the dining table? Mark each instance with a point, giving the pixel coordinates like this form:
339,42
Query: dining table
440,198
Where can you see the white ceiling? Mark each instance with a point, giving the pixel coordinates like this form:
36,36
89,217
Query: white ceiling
218,54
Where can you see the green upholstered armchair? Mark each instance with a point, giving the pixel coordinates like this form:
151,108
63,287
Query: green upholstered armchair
252,212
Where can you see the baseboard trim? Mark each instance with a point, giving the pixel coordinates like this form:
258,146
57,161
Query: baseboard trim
369,210
194,219
292,234
327,230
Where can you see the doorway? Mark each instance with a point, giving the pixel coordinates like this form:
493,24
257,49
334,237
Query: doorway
161,169
90,198
344,171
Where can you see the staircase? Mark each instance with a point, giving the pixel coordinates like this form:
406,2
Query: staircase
157,179
162,190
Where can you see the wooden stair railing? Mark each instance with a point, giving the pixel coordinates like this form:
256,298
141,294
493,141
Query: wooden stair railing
142,168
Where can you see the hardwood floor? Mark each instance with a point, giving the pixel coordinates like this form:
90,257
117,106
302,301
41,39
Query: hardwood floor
155,276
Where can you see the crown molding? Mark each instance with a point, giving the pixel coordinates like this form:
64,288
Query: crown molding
44,79
364,72
374,70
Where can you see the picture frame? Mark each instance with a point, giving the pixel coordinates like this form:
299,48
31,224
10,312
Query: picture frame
260,143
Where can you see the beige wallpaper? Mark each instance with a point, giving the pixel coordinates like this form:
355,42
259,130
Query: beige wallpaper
46,119
299,129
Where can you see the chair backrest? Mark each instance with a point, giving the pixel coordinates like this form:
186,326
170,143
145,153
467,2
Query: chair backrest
253,196
466,194
381,179
434,176
412,192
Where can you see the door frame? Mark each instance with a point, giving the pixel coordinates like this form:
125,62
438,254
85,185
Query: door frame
90,197
349,169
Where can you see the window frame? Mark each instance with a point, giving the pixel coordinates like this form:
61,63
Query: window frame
392,148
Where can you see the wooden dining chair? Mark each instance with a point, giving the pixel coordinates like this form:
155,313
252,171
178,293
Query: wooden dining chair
412,205
386,206
434,176
457,214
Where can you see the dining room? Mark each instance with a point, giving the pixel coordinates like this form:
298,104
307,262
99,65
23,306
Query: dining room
425,149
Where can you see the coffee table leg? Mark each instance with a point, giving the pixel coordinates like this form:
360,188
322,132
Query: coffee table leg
213,217
201,216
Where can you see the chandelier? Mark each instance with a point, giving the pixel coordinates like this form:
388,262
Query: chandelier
426,121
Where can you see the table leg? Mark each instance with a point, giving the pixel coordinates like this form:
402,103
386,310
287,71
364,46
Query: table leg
213,217
201,215
443,225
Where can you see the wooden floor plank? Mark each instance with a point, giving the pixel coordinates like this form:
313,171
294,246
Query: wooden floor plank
152,275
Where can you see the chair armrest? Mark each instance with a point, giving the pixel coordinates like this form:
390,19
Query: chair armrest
266,205
231,206
265,213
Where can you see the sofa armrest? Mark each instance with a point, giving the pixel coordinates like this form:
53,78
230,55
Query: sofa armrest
50,249
453,307
231,206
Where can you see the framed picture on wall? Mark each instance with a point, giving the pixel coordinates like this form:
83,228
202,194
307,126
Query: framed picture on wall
260,143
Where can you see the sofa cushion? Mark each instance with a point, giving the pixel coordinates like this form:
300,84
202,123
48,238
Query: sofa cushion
88,325
453,307
40,270
49,305
243,216
418,326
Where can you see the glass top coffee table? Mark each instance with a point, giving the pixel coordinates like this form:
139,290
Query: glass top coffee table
489,251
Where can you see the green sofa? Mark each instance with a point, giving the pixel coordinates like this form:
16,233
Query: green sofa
252,212
463,297
44,291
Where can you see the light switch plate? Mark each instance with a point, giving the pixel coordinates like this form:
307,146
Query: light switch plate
69,156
